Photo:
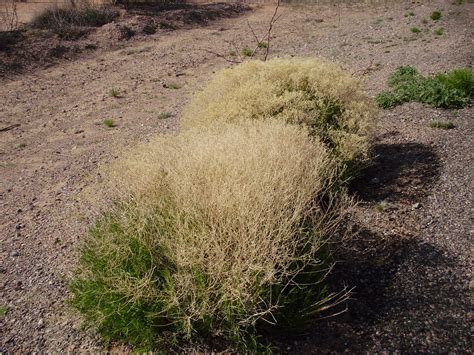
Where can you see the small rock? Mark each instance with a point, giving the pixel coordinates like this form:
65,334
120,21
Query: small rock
415,206
15,253
374,181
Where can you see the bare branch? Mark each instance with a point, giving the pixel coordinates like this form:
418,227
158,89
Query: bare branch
221,56
270,27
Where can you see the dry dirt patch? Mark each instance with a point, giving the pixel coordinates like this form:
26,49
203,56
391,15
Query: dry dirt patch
411,258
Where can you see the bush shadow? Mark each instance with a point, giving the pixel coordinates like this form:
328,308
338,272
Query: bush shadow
404,171
372,267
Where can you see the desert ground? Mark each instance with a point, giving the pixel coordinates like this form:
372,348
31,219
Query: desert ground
411,263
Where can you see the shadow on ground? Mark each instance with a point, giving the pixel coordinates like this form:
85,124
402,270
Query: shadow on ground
400,171
401,284
398,286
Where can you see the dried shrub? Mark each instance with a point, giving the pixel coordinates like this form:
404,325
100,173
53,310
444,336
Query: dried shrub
309,92
8,16
69,22
213,232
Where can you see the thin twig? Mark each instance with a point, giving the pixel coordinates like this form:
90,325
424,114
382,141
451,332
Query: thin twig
253,32
270,26
237,50
4,129
221,56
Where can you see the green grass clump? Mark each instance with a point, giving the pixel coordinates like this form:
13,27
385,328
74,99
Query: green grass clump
439,31
109,123
247,52
436,15
415,30
213,232
262,44
3,311
451,90
165,115
114,92
442,125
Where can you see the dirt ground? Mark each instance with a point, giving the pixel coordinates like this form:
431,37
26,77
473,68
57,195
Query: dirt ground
411,260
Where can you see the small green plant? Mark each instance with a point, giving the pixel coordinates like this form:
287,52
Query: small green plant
114,92
172,86
109,123
3,311
442,125
382,206
436,15
262,44
439,31
233,53
21,145
247,52
165,115
415,30
424,21
451,90
410,14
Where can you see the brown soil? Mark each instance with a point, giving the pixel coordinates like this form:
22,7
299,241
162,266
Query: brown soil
410,262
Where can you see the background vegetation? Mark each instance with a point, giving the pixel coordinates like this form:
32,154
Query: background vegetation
451,90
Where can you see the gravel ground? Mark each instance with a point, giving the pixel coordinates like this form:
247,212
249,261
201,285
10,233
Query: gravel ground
410,262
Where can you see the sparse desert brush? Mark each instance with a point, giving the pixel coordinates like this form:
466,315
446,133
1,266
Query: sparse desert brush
66,21
213,232
313,93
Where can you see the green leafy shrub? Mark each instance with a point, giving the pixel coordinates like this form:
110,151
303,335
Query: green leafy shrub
213,232
451,90
308,92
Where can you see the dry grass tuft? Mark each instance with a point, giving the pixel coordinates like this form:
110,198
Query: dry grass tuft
212,232
316,94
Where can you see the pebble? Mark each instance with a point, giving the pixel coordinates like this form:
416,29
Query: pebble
375,181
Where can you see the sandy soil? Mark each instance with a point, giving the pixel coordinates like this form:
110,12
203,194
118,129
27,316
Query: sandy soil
411,265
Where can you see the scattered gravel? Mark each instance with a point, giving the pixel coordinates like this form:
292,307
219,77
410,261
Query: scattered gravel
409,261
